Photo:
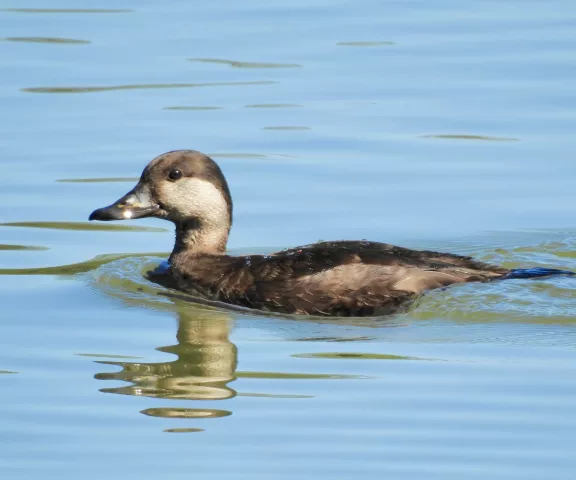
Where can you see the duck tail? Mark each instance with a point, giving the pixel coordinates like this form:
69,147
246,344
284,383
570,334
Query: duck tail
535,272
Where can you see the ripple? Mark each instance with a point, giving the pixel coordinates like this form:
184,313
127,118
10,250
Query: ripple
98,180
84,226
105,355
355,356
194,391
272,395
364,44
94,89
193,108
237,64
183,430
7,372
54,40
274,105
173,412
550,250
334,339
21,247
200,366
286,127
201,372
523,301
297,376
75,268
484,138
553,254
65,10
127,278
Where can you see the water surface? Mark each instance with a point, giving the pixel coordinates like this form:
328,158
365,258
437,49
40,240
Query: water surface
439,125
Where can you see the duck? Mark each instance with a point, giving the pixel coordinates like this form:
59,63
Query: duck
329,278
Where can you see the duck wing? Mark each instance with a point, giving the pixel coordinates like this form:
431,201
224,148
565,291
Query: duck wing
347,278
385,253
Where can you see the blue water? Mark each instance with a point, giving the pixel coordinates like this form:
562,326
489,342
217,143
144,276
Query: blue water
441,125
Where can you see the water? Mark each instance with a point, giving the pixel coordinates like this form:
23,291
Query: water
446,125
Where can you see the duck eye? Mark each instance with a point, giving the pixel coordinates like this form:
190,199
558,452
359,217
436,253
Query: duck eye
175,174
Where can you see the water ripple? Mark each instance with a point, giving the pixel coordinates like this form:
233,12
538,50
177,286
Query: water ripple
237,64
274,105
364,44
174,412
194,108
53,40
92,89
84,226
485,138
22,247
65,10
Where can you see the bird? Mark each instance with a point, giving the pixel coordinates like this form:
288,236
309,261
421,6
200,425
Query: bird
330,278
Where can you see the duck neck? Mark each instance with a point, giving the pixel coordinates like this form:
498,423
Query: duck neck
195,237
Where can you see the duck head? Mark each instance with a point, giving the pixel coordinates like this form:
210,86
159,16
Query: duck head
187,188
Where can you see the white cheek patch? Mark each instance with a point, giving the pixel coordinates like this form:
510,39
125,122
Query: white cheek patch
127,214
193,197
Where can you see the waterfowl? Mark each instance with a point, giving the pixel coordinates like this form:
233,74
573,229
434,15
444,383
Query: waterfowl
341,278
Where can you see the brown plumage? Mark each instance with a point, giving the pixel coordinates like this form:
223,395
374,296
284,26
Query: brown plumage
344,278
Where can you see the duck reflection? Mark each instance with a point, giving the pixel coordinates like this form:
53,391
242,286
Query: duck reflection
205,363
205,360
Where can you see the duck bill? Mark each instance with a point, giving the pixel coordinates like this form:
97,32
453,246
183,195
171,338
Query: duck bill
137,203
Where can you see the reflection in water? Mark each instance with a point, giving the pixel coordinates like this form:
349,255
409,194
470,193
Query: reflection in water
471,137
186,412
298,376
557,249
343,338
355,356
56,40
205,363
139,87
271,395
205,359
75,268
4,246
86,226
183,430
237,64
105,355
363,44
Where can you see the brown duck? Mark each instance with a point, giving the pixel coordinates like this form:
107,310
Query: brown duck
342,278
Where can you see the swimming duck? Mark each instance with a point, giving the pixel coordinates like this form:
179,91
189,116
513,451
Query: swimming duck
341,278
